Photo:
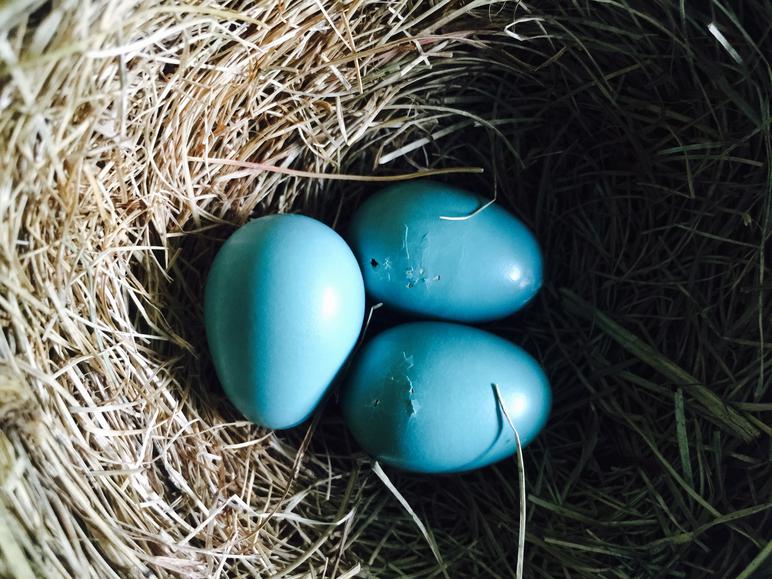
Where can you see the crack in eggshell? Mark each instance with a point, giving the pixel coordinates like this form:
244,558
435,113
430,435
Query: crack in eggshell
415,272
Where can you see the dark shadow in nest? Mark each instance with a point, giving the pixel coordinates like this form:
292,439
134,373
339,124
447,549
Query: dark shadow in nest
175,306
597,170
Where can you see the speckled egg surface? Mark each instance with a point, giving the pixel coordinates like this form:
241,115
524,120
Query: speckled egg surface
284,305
420,397
481,268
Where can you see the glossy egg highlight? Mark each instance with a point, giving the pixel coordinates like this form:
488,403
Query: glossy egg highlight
284,305
475,269
420,397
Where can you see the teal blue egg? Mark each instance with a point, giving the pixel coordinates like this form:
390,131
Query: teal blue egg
477,269
284,305
420,397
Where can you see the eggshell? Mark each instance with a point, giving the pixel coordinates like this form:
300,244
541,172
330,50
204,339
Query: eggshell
420,397
472,270
284,305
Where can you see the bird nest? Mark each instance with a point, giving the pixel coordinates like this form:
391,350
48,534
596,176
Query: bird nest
632,137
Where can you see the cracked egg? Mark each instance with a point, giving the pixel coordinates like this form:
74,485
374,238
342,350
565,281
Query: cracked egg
420,397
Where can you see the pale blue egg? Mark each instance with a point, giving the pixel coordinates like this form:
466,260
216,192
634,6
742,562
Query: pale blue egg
284,306
471,270
420,397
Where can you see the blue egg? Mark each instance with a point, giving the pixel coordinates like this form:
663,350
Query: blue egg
471,270
420,397
284,305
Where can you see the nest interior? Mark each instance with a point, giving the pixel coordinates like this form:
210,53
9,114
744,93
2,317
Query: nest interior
632,137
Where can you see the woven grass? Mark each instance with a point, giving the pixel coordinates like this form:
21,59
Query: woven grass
633,137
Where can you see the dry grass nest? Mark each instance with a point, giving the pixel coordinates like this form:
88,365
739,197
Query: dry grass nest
633,137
